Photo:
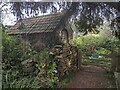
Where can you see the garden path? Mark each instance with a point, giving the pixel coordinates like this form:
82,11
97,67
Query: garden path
91,76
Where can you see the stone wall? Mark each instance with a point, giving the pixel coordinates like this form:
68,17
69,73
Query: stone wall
68,57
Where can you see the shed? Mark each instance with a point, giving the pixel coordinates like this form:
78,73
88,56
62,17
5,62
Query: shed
44,31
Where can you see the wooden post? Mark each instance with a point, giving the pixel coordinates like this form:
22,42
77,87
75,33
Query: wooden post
113,61
79,58
115,67
118,62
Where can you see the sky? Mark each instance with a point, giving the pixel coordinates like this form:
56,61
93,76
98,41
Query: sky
9,19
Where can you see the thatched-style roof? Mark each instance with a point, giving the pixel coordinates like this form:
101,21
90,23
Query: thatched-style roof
46,23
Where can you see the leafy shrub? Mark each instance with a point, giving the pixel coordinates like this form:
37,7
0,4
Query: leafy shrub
91,42
11,51
14,52
103,43
47,74
102,51
13,80
87,43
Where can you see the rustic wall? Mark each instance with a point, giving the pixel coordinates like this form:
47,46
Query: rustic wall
42,40
48,39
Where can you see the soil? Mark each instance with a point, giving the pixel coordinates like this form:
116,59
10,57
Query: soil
91,77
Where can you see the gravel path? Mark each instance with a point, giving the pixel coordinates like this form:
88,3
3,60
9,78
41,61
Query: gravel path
90,77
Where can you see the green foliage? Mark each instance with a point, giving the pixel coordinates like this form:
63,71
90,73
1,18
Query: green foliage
86,61
14,52
47,74
102,51
86,25
94,41
112,44
13,80
98,44
87,43
105,33
11,51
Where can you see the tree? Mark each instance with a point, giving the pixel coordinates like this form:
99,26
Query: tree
89,14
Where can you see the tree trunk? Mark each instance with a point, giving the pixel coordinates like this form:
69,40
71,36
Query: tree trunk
71,11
